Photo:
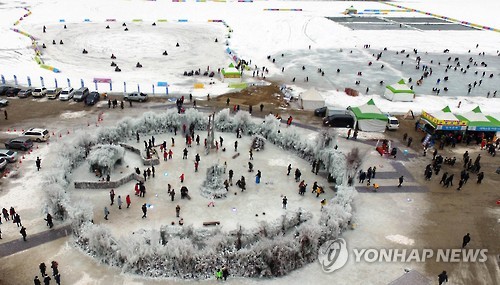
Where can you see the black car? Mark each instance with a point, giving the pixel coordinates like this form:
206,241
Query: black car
4,89
320,112
339,121
92,98
12,92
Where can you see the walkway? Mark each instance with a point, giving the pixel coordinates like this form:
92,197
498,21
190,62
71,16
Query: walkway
18,245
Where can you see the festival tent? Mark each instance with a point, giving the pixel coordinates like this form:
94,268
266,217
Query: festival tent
444,120
478,122
369,118
311,99
399,92
351,10
231,73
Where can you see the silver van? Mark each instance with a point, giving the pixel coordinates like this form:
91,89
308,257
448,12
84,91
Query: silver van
81,94
66,94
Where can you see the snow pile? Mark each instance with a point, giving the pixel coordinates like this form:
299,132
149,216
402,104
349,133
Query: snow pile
272,249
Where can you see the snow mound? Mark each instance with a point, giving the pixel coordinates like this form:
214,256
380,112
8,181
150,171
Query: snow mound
400,239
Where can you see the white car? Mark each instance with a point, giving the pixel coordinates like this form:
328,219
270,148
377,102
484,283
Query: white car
39,92
8,154
4,102
392,123
3,163
37,135
136,96
67,94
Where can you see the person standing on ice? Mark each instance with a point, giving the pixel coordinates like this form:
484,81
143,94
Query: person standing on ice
128,201
112,196
297,175
182,178
177,211
289,169
185,153
442,278
38,163
466,240
43,268
50,224
120,202
225,273
236,146
231,173
172,194
106,212
285,201
144,210
23,233
5,214
258,177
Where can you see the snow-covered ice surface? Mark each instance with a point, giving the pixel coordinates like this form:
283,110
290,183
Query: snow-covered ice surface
256,34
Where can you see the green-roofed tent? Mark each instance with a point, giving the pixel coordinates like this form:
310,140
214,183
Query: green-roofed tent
478,122
231,71
369,118
351,10
399,92
444,120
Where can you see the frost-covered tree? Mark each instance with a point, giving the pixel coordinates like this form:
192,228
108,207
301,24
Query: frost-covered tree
337,214
213,186
104,157
353,160
274,248
334,162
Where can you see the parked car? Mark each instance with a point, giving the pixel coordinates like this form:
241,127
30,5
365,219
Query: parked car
4,102
92,98
66,94
81,94
9,155
3,163
39,92
37,134
136,96
4,89
339,121
12,92
392,123
22,143
53,93
320,112
25,93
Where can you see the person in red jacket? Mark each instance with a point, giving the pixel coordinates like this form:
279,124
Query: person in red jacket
127,199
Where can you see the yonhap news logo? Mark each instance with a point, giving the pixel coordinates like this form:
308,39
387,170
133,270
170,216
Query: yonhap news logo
334,254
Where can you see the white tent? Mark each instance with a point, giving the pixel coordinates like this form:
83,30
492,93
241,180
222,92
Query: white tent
369,118
311,99
399,92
